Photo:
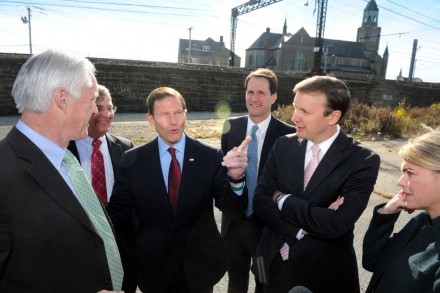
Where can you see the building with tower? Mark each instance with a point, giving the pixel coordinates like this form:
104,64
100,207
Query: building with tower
294,52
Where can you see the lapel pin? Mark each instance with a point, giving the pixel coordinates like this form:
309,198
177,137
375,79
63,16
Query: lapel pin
191,159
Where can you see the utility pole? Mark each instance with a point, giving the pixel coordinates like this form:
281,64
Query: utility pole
189,45
413,58
28,20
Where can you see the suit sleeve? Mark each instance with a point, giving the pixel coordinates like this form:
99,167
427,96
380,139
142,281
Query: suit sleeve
121,202
224,138
225,198
358,185
377,238
5,241
264,206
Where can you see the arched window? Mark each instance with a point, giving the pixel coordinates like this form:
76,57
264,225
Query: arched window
259,61
299,62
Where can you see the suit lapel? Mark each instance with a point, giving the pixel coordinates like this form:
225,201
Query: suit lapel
330,160
240,131
45,175
190,160
270,138
115,152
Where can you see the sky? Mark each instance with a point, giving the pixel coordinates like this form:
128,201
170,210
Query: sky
150,30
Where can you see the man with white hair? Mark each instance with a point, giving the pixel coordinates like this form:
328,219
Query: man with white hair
54,234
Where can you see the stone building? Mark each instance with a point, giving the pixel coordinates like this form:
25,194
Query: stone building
207,52
294,53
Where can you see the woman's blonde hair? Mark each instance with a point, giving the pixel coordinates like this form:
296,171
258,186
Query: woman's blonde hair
423,151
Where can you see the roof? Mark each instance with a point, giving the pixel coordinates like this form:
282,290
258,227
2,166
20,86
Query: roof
344,49
338,48
274,41
371,6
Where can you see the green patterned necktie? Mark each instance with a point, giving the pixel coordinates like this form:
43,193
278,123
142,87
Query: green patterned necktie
96,215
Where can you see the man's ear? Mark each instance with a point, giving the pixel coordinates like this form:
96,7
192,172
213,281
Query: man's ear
60,98
150,119
273,98
335,116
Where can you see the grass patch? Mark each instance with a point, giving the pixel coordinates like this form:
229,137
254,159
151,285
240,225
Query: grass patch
370,122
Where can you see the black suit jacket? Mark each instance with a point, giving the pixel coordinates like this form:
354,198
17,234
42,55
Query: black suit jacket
125,233
116,146
324,260
47,242
191,239
234,132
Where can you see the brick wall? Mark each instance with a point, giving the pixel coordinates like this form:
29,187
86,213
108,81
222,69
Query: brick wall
204,86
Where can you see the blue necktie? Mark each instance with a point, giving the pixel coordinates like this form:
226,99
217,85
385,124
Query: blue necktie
252,170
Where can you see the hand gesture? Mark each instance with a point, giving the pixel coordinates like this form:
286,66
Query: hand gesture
236,159
395,205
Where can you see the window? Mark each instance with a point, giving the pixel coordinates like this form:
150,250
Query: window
195,60
206,49
259,61
217,62
251,60
299,62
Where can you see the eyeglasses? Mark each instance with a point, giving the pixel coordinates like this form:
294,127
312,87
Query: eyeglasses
110,109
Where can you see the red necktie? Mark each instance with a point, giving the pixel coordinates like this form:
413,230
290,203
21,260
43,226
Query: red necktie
98,172
173,180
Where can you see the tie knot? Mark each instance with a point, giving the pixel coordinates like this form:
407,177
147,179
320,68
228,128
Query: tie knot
315,150
254,129
172,152
96,143
70,161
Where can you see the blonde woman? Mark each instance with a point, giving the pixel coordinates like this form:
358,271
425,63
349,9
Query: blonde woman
408,261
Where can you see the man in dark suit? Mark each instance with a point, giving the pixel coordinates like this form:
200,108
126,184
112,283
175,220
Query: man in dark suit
111,147
172,183
241,234
49,241
308,241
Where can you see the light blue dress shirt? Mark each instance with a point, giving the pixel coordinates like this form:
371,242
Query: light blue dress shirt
165,156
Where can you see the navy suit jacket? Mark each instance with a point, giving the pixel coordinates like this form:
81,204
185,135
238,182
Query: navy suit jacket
47,242
234,132
324,260
192,238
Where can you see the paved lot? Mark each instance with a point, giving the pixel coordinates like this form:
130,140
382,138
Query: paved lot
386,183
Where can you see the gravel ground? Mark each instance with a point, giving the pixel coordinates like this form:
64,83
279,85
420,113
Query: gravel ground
207,127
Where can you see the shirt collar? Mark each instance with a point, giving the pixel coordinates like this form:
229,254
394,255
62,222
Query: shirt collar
325,145
51,150
179,146
262,126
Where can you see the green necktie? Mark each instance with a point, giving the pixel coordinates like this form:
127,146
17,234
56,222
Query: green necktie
96,214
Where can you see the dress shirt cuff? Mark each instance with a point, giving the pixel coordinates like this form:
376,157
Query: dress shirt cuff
281,201
300,234
237,188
